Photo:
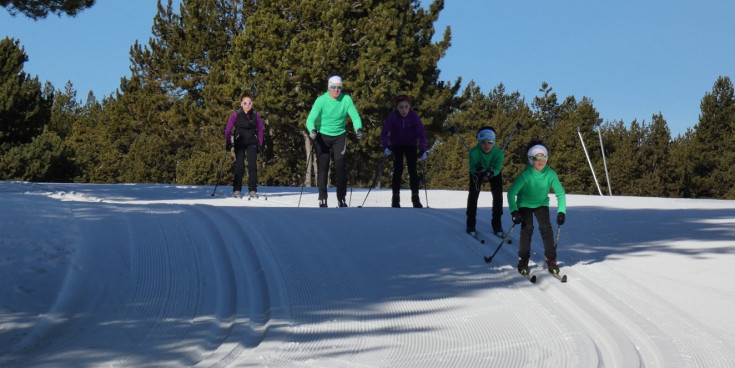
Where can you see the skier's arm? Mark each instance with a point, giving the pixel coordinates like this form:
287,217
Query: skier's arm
228,129
420,133
384,132
561,197
352,111
314,115
474,160
260,129
513,193
497,165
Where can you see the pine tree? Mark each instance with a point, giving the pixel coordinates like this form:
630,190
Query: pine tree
640,159
23,106
473,110
567,155
64,111
380,48
713,139
37,9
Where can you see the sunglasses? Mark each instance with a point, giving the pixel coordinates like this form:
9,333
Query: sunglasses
335,87
246,103
538,157
487,142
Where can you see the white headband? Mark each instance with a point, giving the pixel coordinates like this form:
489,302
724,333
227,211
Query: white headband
335,79
535,150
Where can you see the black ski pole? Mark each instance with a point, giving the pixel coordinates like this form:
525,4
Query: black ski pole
454,131
518,126
556,242
490,259
354,169
308,164
376,180
216,183
423,176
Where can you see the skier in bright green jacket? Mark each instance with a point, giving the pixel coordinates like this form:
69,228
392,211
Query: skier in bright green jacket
326,126
529,196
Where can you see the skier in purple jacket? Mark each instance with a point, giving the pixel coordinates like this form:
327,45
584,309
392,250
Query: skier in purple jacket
244,133
403,135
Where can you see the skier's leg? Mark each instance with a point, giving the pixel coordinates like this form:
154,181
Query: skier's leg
398,153
413,176
547,233
524,246
322,163
252,167
472,197
339,148
496,187
239,167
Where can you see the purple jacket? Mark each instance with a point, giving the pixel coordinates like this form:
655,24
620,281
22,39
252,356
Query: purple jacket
231,126
400,131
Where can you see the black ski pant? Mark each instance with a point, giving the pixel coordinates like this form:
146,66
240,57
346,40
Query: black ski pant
544,227
411,153
496,188
336,146
251,147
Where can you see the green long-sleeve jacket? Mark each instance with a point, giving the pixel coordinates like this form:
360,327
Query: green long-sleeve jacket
329,116
531,189
492,160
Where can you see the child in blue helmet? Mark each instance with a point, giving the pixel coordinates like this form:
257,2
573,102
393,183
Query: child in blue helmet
486,162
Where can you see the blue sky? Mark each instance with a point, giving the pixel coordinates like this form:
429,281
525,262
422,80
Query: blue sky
632,58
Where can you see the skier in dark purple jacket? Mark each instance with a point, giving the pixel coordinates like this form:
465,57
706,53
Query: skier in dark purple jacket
244,133
403,134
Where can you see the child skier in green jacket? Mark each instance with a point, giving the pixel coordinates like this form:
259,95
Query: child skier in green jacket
486,161
529,196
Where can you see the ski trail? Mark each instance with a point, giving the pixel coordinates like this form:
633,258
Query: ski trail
161,281
538,339
627,330
664,335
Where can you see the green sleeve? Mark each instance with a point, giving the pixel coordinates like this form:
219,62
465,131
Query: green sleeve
354,116
513,191
561,197
314,114
474,159
497,165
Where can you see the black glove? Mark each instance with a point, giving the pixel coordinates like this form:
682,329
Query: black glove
228,146
516,217
312,134
560,218
359,133
480,174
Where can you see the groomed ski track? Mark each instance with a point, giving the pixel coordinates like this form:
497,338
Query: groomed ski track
222,282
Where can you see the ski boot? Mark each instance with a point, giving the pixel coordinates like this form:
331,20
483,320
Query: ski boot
322,203
416,202
253,194
236,194
497,227
523,266
471,230
396,201
342,203
553,267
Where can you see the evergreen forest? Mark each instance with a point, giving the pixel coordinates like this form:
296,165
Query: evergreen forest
165,123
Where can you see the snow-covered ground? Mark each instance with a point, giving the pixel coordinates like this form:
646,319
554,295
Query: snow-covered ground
170,276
